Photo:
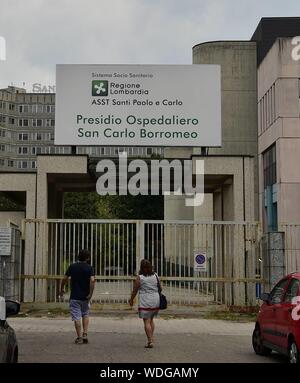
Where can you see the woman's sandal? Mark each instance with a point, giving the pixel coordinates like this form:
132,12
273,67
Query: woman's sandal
84,338
149,345
78,340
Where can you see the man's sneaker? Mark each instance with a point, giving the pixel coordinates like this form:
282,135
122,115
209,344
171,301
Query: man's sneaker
84,338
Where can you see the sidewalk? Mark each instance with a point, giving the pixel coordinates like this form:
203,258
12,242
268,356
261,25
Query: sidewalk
134,325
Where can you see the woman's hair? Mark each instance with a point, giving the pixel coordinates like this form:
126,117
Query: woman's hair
84,255
146,268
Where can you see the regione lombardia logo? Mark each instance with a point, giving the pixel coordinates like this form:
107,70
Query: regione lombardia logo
99,88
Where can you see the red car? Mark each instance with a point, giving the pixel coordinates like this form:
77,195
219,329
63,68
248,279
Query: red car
278,323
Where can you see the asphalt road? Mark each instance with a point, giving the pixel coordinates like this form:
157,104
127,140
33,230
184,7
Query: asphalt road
115,340
125,348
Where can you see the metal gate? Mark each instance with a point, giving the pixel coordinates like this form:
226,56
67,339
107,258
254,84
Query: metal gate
232,275
291,233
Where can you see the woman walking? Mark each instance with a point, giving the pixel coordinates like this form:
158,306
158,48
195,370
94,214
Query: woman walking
147,285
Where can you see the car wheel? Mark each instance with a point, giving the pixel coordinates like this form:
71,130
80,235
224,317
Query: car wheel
293,353
257,343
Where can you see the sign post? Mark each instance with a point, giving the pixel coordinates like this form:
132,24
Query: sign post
200,260
5,241
5,252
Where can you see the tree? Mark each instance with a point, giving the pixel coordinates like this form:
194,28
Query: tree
7,204
92,206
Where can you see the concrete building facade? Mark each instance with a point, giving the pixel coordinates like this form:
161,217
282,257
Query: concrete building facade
278,95
279,135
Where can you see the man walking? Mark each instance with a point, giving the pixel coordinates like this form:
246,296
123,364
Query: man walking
82,288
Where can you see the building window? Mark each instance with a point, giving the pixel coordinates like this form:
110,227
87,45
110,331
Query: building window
10,163
33,164
39,136
49,108
267,109
23,136
270,189
22,165
23,150
299,94
2,162
23,108
23,122
37,108
37,122
274,104
269,163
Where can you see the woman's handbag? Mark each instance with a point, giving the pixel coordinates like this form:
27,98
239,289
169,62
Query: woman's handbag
163,303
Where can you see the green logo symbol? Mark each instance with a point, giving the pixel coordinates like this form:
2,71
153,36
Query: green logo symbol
100,88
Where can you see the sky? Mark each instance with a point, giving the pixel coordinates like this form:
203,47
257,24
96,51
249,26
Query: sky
42,33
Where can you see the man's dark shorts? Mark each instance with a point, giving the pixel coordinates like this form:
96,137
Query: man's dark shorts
79,309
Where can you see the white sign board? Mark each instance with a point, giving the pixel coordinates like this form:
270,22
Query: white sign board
200,261
138,105
2,309
5,241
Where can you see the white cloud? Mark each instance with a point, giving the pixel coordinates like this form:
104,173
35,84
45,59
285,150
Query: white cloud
41,33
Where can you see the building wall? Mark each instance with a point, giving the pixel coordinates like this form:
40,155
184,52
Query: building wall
8,218
238,92
26,128
279,124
